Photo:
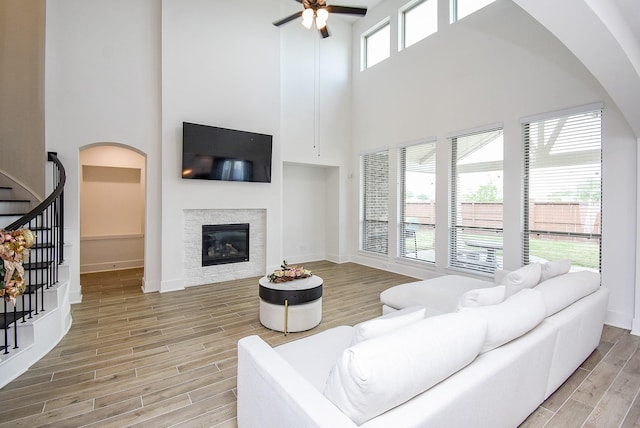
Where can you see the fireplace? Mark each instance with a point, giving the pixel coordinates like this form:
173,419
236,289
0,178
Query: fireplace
225,243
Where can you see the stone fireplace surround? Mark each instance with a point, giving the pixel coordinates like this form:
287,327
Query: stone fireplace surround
195,273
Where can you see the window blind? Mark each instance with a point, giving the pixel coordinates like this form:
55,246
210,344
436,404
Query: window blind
562,189
374,223
475,234
417,177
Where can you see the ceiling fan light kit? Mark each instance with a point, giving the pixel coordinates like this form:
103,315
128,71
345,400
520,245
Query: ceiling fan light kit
321,18
317,11
307,18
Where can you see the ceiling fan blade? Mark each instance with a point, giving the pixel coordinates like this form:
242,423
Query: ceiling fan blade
347,9
287,19
324,32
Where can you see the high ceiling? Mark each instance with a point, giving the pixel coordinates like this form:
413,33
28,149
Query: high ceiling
357,3
603,34
631,10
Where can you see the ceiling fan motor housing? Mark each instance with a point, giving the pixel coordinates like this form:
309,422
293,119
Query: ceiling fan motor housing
314,4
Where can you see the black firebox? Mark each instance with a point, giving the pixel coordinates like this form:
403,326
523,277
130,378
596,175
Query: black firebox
225,243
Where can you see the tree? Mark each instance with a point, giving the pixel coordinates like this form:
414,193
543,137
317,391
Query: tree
485,193
589,191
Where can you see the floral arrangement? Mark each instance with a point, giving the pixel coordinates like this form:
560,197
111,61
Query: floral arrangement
289,273
14,250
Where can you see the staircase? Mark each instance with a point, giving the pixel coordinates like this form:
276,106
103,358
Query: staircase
11,209
42,315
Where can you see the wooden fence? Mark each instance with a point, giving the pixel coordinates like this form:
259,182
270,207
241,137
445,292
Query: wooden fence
564,217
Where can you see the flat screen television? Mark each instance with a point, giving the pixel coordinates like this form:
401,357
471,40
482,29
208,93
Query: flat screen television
213,153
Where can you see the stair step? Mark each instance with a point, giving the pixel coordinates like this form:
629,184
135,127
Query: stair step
10,317
42,245
7,219
18,215
32,288
40,229
14,206
5,192
37,265
37,299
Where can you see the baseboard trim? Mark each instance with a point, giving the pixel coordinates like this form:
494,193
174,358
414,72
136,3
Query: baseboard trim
114,265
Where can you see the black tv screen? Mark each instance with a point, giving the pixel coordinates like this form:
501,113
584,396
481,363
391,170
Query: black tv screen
212,153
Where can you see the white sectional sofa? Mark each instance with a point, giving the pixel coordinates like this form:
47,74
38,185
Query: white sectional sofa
481,364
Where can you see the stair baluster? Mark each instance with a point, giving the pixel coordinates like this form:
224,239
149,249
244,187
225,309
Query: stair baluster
47,222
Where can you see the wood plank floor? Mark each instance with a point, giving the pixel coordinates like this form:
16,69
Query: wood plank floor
169,360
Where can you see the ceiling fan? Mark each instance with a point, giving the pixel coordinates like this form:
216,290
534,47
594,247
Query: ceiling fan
318,11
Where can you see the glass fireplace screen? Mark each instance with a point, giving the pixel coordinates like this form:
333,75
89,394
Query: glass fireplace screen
225,243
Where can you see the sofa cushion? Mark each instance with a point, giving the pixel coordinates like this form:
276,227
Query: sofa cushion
387,323
526,277
554,268
510,319
438,295
314,356
482,297
561,291
386,371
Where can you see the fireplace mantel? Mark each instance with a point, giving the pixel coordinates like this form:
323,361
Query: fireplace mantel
195,273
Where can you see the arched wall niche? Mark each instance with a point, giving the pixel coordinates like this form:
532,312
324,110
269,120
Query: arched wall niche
112,207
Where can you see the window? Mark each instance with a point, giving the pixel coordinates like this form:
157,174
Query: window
419,19
377,45
374,179
418,202
476,201
563,188
462,8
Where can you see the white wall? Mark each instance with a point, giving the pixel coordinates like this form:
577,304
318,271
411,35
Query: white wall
140,69
103,85
220,66
605,36
281,81
131,72
306,208
316,130
22,38
496,65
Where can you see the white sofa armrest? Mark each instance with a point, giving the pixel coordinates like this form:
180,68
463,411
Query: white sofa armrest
579,330
271,393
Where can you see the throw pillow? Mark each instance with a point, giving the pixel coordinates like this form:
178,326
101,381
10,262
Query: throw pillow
561,291
482,297
510,319
381,373
387,323
526,277
555,268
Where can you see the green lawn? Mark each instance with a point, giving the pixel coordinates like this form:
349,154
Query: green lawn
586,254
